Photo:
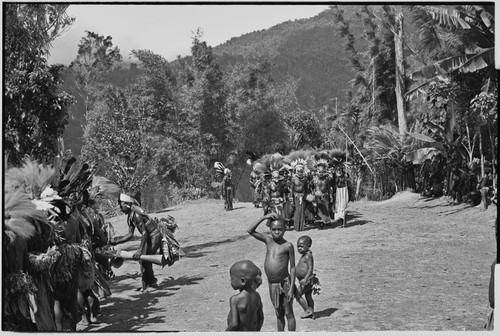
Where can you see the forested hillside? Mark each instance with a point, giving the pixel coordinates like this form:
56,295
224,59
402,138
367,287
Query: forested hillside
307,49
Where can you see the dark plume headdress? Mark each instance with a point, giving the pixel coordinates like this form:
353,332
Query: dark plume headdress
337,155
321,158
269,163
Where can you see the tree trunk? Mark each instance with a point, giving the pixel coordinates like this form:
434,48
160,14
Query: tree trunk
400,73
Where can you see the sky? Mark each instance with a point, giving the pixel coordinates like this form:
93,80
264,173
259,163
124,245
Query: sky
167,29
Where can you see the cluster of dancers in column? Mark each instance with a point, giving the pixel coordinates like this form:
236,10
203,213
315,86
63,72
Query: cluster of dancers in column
303,187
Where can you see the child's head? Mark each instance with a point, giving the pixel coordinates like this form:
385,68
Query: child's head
303,244
277,227
244,274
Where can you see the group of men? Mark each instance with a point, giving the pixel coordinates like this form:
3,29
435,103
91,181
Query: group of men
467,183
56,250
302,187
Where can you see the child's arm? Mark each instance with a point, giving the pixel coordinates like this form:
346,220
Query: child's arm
232,320
291,259
260,315
257,235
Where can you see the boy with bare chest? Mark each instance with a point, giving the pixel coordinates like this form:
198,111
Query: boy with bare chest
245,312
280,253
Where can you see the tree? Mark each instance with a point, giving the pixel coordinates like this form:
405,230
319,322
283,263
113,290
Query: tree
375,70
35,111
256,123
472,29
114,138
202,97
96,57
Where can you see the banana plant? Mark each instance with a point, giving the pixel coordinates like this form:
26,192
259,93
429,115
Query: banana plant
477,23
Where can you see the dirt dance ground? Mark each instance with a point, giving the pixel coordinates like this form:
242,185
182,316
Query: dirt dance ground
404,264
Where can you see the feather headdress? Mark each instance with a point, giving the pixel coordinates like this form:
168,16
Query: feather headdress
20,214
321,158
252,157
299,158
102,186
269,163
32,177
220,169
337,156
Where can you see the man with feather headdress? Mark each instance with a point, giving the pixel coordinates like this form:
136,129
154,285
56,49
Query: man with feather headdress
299,186
321,187
254,179
226,185
272,166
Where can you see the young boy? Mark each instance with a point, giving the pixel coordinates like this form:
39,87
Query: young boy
280,253
245,312
309,283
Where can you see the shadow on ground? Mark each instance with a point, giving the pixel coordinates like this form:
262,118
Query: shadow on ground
325,313
352,220
119,316
193,251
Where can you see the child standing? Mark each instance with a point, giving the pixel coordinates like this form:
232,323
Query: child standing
245,312
309,283
279,255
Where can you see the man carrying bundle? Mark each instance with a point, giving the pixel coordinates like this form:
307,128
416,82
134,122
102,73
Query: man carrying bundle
154,237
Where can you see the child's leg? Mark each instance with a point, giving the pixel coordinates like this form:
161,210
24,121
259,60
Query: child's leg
302,302
310,301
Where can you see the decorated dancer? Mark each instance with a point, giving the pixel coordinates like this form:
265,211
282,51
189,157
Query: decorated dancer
321,187
227,189
342,194
309,283
254,179
280,257
273,166
155,237
245,308
299,187
255,186
226,185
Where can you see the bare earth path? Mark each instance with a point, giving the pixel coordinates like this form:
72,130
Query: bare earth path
405,264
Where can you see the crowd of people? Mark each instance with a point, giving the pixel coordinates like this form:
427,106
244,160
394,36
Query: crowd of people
303,187
57,249
467,183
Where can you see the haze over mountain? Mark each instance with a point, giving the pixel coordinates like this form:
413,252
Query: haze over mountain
306,49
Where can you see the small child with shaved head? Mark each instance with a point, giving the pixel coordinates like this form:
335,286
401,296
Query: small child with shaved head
308,281
245,312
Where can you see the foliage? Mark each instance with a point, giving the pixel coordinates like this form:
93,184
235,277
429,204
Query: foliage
96,57
35,110
114,137
253,107
474,27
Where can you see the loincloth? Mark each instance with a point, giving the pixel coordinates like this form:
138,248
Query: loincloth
277,290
